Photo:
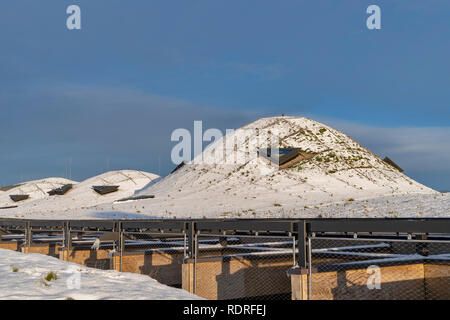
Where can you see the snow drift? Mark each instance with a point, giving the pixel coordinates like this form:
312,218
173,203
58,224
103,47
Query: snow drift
23,277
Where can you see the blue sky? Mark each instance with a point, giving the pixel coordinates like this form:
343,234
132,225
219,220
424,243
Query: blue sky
108,96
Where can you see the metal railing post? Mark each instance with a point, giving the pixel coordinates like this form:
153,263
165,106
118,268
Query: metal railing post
68,238
191,239
28,234
301,234
121,245
309,269
195,262
184,244
294,260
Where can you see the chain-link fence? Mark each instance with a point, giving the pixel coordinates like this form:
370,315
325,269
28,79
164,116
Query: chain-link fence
378,269
91,248
242,267
12,237
271,260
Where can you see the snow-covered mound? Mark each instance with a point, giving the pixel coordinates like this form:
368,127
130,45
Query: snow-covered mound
36,189
82,195
23,277
340,170
336,172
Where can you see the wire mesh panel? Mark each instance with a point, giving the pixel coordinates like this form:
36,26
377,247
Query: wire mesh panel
12,237
158,255
377,268
91,248
252,259
243,267
46,241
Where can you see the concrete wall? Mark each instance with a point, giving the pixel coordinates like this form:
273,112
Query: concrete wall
238,277
10,245
164,267
90,258
49,249
437,281
404,282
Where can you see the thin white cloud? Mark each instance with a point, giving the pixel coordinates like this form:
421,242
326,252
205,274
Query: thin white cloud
49,124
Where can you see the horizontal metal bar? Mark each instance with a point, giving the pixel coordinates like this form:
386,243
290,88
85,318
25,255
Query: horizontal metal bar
384,225
380,240
156,233
12,223
46,223
246,225
100,224
154,225
215,235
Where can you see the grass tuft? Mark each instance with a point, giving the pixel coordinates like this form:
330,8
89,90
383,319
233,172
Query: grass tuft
51,276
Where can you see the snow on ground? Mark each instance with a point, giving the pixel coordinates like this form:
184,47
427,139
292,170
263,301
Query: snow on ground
36,189
342,178
22,276
400,206
82,195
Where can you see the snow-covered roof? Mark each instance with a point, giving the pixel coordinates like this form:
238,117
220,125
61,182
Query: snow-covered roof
82,195
340,170
36,189
342,179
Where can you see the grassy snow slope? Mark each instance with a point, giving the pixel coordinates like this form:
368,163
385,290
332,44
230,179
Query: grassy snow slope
82,195
36,189
23,277
342,174
341,170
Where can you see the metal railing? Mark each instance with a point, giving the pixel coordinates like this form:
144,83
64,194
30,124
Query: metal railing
244,258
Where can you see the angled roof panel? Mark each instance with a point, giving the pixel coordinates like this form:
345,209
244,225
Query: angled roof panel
181,165
105,189
18,197
142,197
279,156
60,191
392,163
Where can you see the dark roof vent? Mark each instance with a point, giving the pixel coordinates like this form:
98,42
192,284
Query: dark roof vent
19,197
60,191
181,165
105,189
392,163
284,157
8,207
150,196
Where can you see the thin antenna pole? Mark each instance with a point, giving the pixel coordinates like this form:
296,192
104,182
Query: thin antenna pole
70,168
